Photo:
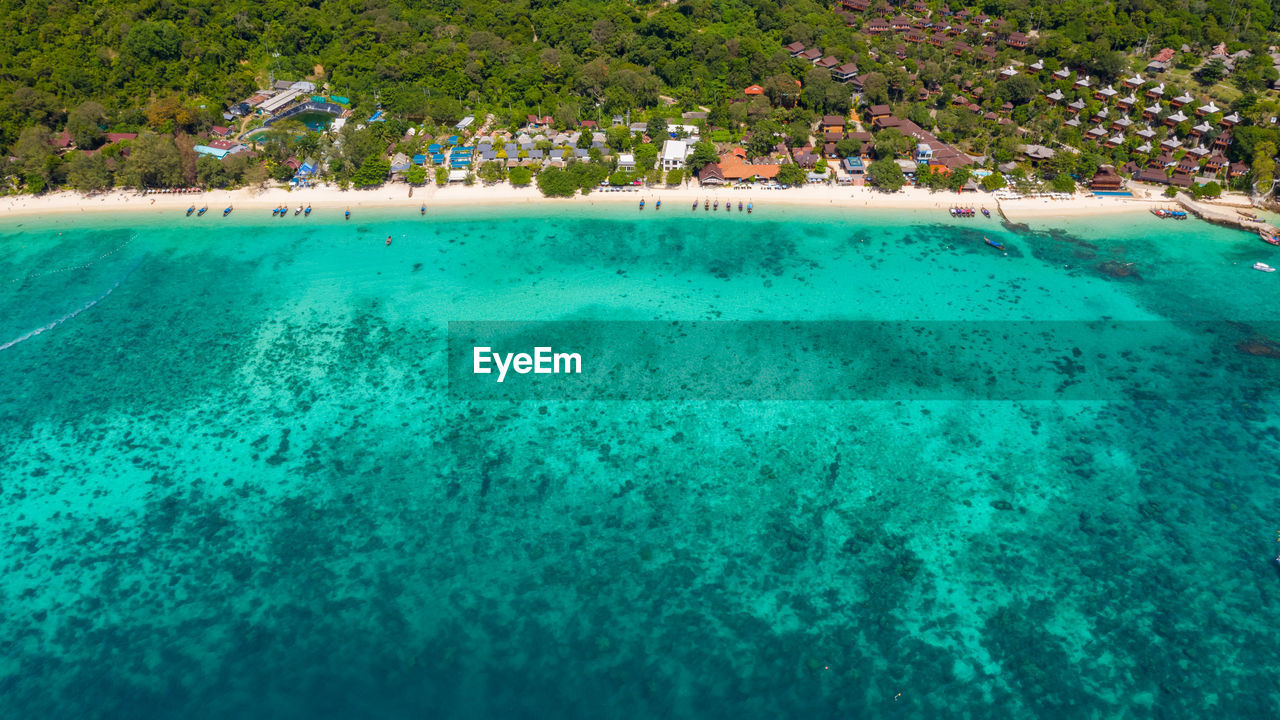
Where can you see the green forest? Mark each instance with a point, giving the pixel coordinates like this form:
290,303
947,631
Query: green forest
173,66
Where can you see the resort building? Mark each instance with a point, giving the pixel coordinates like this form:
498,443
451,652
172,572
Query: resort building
674,153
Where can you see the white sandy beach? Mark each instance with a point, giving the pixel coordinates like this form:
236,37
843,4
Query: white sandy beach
328,198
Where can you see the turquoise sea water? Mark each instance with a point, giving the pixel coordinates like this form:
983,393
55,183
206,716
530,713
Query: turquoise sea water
235,482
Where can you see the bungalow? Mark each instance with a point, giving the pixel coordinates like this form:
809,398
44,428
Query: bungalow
1146,133
1151,175
900,23
626,162
1223,141
1187,165
1161,61
852,165
960,48
827,63
1106,180
220,131
939,39
1144,148
1121,123
1038,65
856,5
1134,82
1230,120
1238,169
1155,93
1215,162
1036,153
915,36
1096,133
1179,101
878,26
1017,40
1115,141
794,49
1127,102
1055,97
845,72
987,54
1105,93
832,123
1073,122
1151,112
920,6
1008,72
1062,73
710,174
753,90
1083,83
1200,130
1075,106
879,111
1175,119
812,55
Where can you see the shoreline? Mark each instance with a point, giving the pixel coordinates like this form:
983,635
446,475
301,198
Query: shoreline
392,195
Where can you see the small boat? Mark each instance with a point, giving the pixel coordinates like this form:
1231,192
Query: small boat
739,206
748,207
307,212
695,203
986,212
706,204
226,212
422,210
994,243
717,204
641,203
348,215
388,239
191,210
275,211
1270,239
297,212
1263,267
202,211
658,205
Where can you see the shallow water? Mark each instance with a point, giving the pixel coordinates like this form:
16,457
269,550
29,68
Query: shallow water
238,484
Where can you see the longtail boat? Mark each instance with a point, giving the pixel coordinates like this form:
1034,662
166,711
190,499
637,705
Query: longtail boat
739,206
297,212
994,243
202,211
275,211
226,212
307,212
658,204
191,210
986,213
706,204
641,203
422,210
348,215
748,207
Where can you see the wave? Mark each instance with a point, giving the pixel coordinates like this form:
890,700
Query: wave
77,311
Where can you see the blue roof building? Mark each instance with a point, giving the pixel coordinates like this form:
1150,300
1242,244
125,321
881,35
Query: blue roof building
419,159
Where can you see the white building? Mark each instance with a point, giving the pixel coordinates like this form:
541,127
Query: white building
626,162
674,153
